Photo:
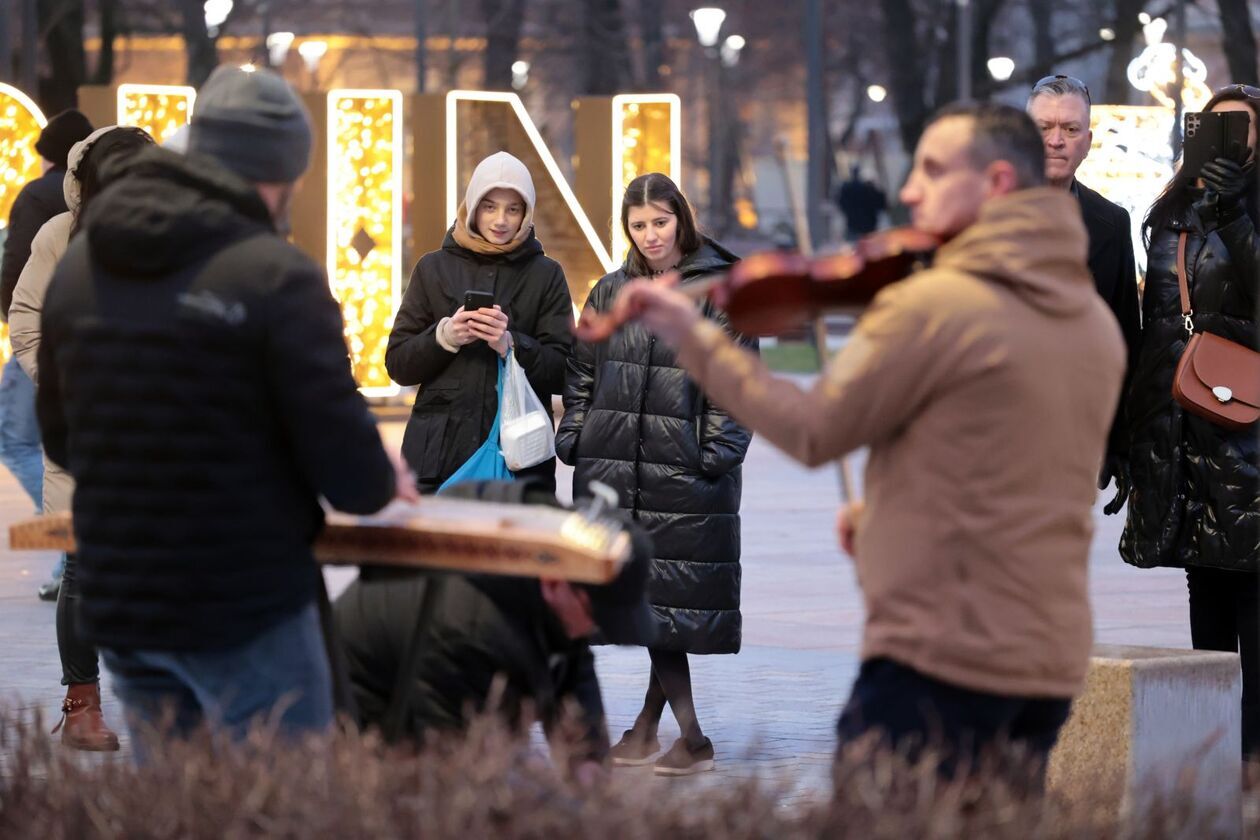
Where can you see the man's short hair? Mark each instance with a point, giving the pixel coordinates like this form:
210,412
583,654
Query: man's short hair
1001,132
1060,85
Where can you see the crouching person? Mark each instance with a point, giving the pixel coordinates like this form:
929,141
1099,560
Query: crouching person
503,645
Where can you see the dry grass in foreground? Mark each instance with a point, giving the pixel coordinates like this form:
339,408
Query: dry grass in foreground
492,784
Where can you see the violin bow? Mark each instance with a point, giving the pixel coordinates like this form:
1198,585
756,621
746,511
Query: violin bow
805,243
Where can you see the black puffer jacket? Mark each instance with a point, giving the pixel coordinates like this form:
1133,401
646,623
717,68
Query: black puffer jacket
194,380
457,399
1196,486
634,421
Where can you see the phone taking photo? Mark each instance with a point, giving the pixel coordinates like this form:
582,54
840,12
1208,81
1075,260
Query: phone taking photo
474,300
1213,134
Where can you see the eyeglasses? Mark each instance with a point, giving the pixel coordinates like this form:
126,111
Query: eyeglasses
1059,80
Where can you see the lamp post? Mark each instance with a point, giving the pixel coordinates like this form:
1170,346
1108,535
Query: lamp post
964,49
708,21
312,52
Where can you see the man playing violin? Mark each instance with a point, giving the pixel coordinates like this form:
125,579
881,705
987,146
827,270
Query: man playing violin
984,387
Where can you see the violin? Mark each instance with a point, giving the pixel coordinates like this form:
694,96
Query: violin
771,292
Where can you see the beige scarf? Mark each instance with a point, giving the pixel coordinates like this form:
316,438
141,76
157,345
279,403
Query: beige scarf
478,244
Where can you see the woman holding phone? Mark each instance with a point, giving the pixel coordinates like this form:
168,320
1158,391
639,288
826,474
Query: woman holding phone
1195,497
488,289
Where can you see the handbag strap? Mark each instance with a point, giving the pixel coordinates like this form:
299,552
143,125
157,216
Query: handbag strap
1187,313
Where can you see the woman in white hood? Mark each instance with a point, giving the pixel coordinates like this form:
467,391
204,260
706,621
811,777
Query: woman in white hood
452,353
82,725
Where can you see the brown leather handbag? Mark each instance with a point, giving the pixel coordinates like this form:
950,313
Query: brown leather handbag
1216,379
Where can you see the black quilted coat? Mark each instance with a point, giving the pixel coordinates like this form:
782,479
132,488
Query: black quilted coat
634,421
1196,486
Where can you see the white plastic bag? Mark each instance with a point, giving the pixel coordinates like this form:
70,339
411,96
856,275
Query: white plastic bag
526,435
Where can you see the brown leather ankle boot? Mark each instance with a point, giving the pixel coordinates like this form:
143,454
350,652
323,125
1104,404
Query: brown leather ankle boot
84,727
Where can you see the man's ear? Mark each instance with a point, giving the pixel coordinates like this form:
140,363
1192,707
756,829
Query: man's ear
1001,178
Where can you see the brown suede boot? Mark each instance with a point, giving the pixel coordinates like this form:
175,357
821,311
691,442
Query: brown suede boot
85,728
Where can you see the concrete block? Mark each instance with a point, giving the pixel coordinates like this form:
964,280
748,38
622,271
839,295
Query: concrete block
1152,723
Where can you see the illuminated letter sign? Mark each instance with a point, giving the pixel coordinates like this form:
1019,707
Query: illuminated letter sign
20,124
364,260
160,110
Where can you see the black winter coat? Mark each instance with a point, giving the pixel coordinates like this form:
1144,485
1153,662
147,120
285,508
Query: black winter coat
635,421
194,379
38,202
457,400
1115,276
1196,486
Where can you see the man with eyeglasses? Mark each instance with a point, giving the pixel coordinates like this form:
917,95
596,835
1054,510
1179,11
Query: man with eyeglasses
1059,105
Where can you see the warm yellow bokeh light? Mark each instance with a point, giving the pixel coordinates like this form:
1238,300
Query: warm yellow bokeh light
160,110
365,166
647,137
20,124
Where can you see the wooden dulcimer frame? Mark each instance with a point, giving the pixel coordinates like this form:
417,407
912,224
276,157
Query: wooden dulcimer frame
437,533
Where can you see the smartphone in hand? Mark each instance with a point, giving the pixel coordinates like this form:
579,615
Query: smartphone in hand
474,300
1213,134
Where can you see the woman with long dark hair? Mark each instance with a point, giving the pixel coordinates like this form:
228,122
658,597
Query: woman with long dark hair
634,421
82,726
1195,499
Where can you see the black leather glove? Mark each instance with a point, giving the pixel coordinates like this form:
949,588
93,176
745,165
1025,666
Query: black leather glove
1227,178
1115,468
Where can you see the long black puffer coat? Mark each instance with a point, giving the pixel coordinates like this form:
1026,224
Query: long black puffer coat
457,400
634,421
1196,486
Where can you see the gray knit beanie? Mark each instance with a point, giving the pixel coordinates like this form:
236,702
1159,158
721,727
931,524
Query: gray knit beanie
252,123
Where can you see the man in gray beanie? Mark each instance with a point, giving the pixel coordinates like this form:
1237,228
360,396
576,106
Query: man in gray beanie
195,382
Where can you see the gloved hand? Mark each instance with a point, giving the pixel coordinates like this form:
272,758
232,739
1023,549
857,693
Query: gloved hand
1227,178
1115,468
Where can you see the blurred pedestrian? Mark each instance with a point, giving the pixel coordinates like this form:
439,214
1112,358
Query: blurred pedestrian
82,726
38,201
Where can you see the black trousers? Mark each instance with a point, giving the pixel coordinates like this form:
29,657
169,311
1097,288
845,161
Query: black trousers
912,711
670,681
78,657
1225,615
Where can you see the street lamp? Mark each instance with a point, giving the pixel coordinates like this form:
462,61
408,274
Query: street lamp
1000,68
730,50
312,52
217,12
520,74
876,93
708,21
278,44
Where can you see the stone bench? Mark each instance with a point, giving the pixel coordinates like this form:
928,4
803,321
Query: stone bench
1152,721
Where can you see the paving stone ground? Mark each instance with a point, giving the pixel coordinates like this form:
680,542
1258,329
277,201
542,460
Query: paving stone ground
769,710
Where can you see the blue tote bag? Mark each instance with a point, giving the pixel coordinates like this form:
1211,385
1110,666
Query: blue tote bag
486,464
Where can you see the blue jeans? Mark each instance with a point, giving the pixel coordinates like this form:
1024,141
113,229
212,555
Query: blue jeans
282,673
19,431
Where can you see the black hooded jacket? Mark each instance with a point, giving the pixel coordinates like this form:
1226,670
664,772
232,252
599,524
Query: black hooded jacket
1196,486
38,202
195,382
635,421
457,400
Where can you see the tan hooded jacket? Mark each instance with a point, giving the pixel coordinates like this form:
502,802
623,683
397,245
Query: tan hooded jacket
984,388
47,248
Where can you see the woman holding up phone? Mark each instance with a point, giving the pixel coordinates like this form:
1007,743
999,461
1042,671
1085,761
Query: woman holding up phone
487,289
1195,498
